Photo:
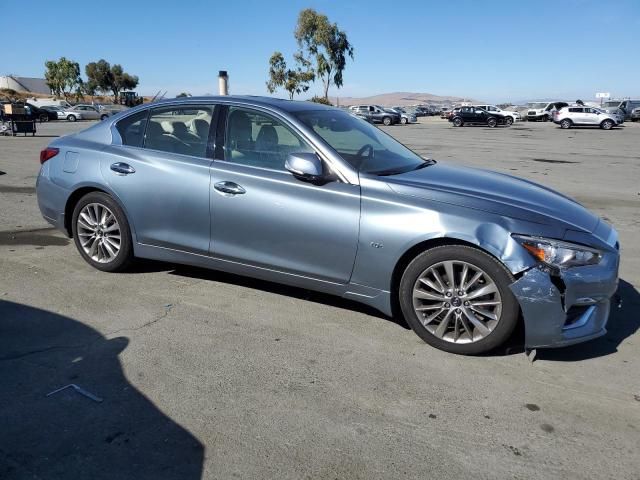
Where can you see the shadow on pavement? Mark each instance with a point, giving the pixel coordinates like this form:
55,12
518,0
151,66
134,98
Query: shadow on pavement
68,435
623,323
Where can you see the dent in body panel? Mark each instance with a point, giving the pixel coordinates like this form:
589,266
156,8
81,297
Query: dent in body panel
400,222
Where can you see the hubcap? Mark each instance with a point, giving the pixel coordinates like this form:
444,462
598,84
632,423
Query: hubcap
99,233
457,301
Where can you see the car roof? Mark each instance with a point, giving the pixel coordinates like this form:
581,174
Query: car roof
278,103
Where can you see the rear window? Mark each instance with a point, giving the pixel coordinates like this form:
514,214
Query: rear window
576,110
131,129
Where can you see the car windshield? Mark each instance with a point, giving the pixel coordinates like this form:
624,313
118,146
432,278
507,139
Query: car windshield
538,105
611,104
362,145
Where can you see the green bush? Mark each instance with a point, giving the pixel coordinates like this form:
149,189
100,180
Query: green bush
321,100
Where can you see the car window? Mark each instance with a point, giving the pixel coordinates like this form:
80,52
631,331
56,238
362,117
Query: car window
179,129
259,140
576,110
131,128
364,146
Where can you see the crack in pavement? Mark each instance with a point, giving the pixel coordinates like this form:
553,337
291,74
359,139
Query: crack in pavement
168,309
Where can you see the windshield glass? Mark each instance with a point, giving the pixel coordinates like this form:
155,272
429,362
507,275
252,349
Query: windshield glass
364,146
611,104
538,105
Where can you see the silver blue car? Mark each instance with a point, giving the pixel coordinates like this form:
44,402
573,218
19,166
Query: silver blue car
311,196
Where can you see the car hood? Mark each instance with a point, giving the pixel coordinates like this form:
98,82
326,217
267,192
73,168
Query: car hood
495,193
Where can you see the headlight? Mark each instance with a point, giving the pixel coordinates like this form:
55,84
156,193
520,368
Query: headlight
559,254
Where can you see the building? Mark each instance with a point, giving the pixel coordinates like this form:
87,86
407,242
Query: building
25,84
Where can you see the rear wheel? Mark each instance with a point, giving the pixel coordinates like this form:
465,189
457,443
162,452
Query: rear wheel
457,122
101,232
566,123
606,125
44,117
457,298
492,122
104,117
386,121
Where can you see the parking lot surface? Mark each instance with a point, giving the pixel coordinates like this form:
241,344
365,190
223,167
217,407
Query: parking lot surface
208,375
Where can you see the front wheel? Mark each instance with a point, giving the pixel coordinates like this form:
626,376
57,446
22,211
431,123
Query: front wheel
72,118
386,121
508,121
492,122
457,298
104,117
606,125
403,121
101,232
44,118
565,124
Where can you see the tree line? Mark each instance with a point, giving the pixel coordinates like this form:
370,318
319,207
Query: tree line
323,50
64,79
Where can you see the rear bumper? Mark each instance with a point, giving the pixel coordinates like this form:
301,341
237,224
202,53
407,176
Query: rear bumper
52,199
570,308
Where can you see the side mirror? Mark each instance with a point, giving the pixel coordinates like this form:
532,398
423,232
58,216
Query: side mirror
305,166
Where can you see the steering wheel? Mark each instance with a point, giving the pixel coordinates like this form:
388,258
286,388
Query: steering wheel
361,158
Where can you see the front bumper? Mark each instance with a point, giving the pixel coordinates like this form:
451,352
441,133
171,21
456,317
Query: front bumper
569,308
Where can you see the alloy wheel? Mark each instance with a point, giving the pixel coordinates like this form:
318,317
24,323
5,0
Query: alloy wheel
99,233
457,301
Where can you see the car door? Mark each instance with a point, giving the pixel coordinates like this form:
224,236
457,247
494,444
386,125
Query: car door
577,115
591,116
264,216
161,174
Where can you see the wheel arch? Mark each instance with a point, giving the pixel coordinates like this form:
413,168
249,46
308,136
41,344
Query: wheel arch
82,190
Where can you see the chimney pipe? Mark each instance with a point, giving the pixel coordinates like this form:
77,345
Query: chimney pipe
223,82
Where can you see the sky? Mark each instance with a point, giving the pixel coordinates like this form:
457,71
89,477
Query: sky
497,51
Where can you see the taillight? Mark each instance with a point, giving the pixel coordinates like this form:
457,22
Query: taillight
48,153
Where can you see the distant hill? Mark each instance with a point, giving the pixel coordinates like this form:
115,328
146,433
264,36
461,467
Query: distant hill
400,99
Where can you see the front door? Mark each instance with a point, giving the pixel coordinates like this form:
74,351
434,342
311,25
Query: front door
161,173
264,216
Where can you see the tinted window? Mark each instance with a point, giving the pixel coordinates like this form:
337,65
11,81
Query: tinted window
361,144
179,129
131,128
260,140
576,110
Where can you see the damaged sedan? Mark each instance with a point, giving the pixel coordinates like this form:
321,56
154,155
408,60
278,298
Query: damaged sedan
310,196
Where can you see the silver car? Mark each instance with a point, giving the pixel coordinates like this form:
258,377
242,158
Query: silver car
583,116
311,196
88,112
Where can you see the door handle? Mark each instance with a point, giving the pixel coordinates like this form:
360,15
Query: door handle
230,188
122,168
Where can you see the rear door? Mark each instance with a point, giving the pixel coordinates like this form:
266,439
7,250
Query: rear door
161,173
274,220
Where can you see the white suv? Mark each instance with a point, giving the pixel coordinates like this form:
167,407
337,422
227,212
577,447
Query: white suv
581,115
515,116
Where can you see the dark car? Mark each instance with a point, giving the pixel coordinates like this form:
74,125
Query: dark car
40,114
476,116
377,114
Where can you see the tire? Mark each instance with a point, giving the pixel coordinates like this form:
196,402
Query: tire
71,118
106,242
566,123
508,121
104,117
457,122
470,339
403,121
492,122
387,121
545,118
43,118
606,125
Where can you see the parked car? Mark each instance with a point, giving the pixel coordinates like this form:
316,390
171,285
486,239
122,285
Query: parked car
478,116
625,107
444,111
513,115
404,116
583,116
543,110
40,114
635,114
377,114
89,112
308,195
65,113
